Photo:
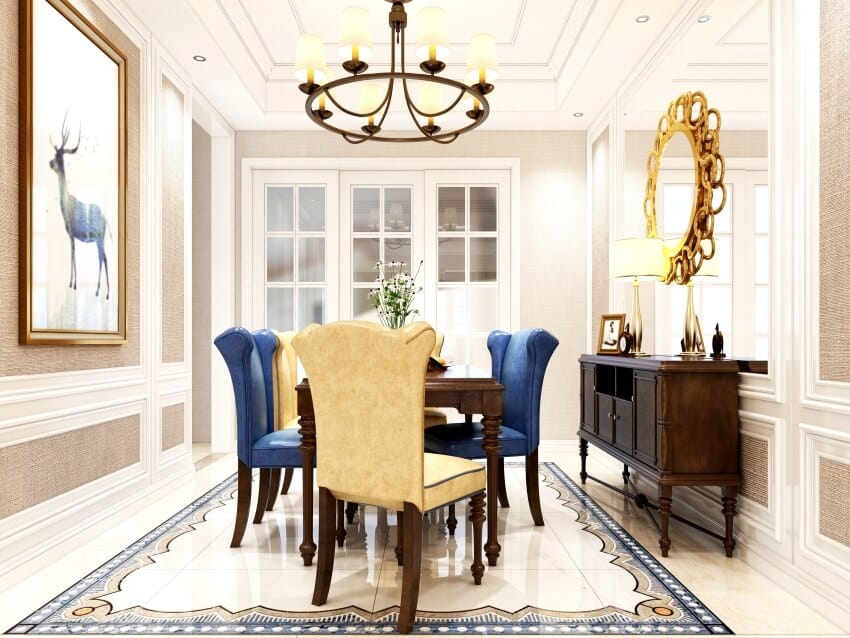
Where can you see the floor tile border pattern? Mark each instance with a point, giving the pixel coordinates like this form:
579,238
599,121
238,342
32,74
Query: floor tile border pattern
671,609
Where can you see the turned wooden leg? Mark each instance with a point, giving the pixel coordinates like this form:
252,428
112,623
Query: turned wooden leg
350,511
626,474
263,497
532,487
287,480
325,562
243,503
491,446
451,520
476,515
274,481
665,502
340,523
503,490
308,452
582,452
412,567
399,541
729,499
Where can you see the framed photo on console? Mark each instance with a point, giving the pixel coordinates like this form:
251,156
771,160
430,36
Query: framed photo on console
73,115
610,328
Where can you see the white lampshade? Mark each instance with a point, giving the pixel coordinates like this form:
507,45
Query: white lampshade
310,58
637,257
431,32
430,98
370,98
354,32
482,59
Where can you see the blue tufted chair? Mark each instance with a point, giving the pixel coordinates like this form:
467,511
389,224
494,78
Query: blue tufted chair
519,362
249,358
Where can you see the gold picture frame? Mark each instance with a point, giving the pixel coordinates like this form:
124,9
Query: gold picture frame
611,326
73,179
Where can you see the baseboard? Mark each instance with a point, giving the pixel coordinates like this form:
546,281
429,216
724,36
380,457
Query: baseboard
38,542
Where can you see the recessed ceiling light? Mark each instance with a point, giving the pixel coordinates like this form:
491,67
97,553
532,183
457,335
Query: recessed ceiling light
199,58
578,114
642,19
704,18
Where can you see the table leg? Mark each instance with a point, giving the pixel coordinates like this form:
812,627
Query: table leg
665,502
491,448
582,452
729,499
308,453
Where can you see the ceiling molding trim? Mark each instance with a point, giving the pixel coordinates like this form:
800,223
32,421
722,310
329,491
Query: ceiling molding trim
723,39
518,22
296,16
561,33
674,30
238,34
256,33
584,22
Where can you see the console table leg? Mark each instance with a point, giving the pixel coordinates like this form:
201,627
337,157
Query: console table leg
665,502
729,499
626,474
582,452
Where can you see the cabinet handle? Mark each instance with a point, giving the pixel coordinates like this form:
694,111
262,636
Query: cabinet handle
610,415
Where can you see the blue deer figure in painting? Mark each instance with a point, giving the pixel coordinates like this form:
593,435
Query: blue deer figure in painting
83,222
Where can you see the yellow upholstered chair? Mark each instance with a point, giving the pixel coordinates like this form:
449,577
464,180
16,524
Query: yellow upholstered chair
435,416
285,373
368,388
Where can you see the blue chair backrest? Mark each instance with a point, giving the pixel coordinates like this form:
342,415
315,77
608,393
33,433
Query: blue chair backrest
248,358
519,362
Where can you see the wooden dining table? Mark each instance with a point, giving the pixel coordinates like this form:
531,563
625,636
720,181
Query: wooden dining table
468,390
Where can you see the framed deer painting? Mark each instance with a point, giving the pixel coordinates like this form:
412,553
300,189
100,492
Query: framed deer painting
73,179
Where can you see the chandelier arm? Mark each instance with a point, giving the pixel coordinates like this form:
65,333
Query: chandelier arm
349,137
411,108
388,98
461,93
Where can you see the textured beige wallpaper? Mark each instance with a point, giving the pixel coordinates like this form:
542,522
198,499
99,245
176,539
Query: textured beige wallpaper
173,207
201,328
834,192
552,230
18,359
38,470
755,470
172,426
834,500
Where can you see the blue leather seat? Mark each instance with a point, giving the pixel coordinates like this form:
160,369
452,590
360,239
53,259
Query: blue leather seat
258,444
519,362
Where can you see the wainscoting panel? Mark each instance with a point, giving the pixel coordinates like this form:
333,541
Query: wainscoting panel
825,502
173,426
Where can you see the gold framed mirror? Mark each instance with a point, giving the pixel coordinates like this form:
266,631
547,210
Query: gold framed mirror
690,116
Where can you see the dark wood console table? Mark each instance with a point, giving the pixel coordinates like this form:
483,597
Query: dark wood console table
673,419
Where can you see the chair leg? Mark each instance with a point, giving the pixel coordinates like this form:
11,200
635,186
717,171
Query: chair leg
287,480
503,490
532,488
274,481
451,520
399,543
350,511
340,523
243,503
325,561
476,515
263,497
412,567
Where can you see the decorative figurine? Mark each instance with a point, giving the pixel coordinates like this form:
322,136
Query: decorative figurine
717,342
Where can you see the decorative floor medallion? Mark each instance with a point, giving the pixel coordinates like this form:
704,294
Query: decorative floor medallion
664,605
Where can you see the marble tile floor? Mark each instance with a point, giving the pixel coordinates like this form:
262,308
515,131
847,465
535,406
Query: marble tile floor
200,570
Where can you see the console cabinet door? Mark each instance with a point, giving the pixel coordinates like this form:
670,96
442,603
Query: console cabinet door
588,398
605,420
623,426
645,445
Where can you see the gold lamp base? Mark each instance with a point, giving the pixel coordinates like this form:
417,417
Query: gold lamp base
692,343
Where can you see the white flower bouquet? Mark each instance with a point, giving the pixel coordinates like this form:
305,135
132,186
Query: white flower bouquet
394,293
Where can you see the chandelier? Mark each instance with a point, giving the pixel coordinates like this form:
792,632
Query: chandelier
427,111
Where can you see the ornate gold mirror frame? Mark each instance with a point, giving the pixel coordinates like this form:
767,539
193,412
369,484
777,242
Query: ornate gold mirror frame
689,114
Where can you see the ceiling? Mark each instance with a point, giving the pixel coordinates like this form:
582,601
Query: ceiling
556,57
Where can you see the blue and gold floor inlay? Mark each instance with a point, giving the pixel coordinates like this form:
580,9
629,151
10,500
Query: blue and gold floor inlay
580,574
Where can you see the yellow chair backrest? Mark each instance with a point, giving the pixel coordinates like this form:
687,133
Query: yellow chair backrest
438,344
285,380
368,388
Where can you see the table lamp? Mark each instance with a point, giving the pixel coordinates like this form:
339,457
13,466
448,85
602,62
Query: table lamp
693,345
637,257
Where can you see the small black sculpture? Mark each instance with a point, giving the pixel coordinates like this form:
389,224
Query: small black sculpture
717,342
